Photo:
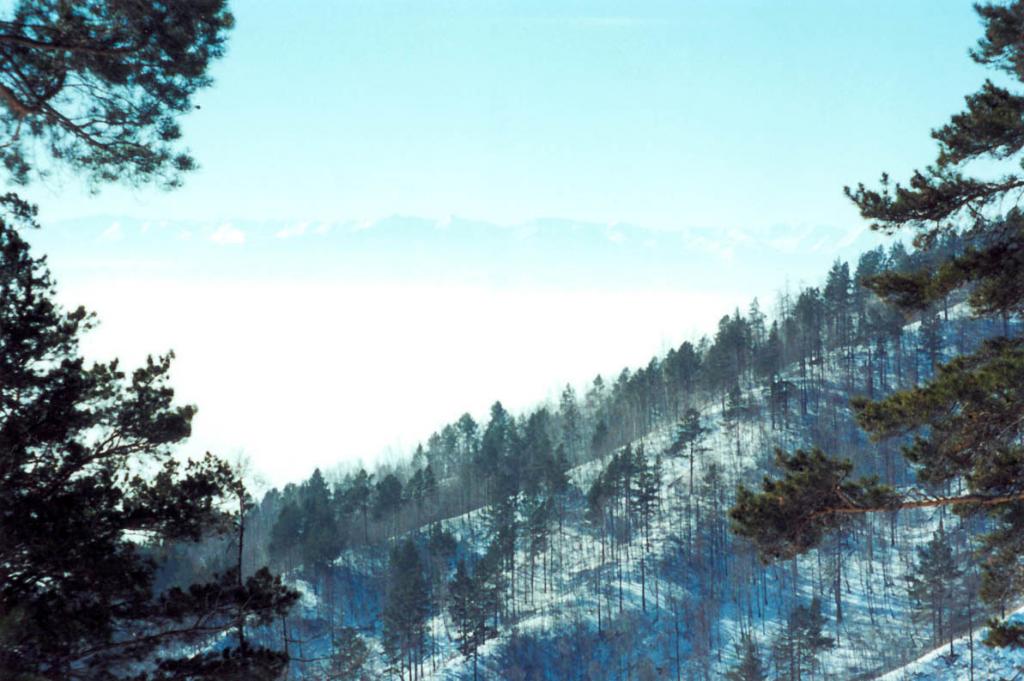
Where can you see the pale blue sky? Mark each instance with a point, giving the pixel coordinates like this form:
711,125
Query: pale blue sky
620,176
665,114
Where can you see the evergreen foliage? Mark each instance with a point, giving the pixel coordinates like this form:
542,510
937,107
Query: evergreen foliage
967,422
793,514
934,585
469,609
100,86
749,667
407,607
349,657
88,481
798,645
287,533
320,534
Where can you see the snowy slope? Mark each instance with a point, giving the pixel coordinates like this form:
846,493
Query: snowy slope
586,610
988,663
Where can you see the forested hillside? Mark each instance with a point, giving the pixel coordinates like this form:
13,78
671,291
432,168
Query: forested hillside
590,538
830,485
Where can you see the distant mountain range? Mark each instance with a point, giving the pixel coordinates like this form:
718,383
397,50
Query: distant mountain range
547,252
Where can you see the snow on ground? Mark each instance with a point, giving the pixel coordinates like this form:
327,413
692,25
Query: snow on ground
988,663
877,631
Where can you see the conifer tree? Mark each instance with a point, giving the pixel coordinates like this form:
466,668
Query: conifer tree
935,584
495,444
648,486
645,501
321,537
749,667
441,548
798,645
387,500
429,488
359,497
836,296
408,604
503,528
421,488
690,435
469,610
930,339
733,414
441,542
89,484
793,514
538,531
349,655
537,452
769,360
967,422
557,472
599,441
100,86
572,423
286,534
77,592
491,579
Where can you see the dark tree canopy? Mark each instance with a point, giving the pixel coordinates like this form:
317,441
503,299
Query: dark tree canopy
793,514
967,423
88,481
99,86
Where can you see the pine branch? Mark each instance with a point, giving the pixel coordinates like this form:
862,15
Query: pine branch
967,499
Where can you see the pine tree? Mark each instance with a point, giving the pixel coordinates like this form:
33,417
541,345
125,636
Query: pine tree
495,445
794,514
931,338
100,86
749,666
808,314
349,655
321,538
441,542
968,420
405,612
538,531
503,528
756,323
286,534
492,580
768,361
441,548
934,585
537,451
469,609
600,440
572,423
77,591
429,484
557,472
689,438
645,502
681,368
421,489
387,500
359,497
646,492
733,414
837,303
797,647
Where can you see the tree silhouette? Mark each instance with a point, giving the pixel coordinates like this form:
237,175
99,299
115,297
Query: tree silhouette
99,86
967,422
88,479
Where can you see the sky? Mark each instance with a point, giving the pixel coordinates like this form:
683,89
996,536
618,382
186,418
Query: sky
406,210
